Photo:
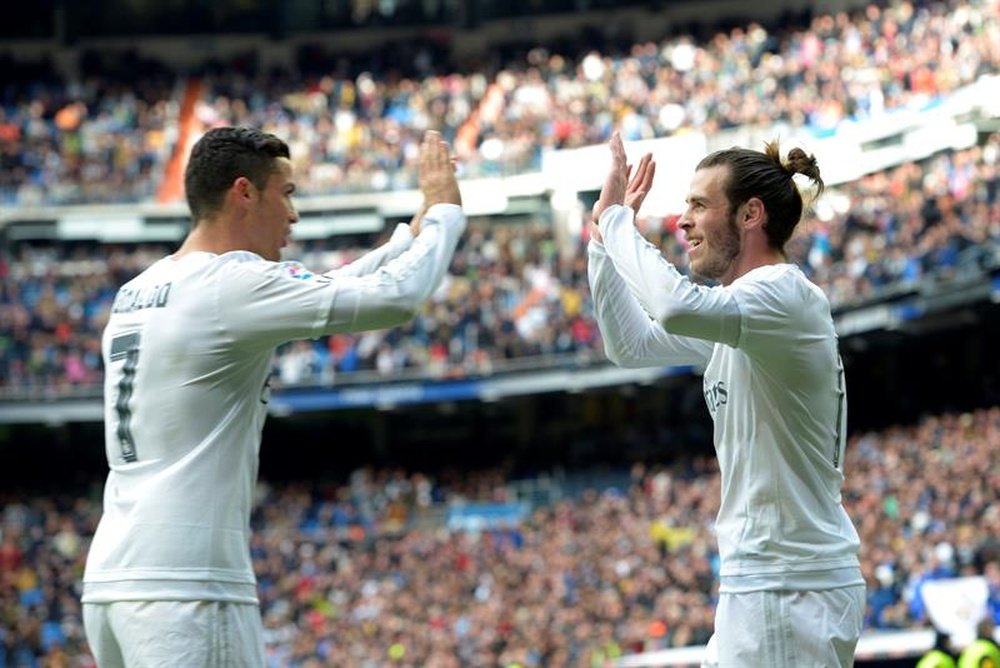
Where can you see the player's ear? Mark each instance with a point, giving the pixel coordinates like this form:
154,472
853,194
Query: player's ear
753,213
243,188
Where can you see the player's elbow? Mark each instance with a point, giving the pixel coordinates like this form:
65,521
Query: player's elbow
387,314
673,316
623,358
401,301
400,313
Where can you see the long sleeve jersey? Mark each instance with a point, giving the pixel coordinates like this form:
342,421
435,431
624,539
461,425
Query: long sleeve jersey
187,353
774,385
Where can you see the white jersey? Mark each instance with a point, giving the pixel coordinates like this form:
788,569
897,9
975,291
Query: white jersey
774,385
187,353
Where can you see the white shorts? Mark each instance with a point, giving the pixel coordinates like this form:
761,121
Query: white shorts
168,634
787,629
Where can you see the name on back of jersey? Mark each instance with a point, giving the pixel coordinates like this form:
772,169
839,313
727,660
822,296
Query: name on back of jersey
136,299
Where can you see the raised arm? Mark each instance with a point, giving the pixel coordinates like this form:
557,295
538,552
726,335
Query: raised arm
394,292
678,305
391,295
631,338
400,240
670,298
289,303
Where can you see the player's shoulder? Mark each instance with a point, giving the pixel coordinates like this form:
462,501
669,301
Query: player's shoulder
244,261
241,258
774,279
772,273
783,276
780,285
197,267
251,264
152,274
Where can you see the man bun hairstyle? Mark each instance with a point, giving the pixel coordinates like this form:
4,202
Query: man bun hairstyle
766,176
799,162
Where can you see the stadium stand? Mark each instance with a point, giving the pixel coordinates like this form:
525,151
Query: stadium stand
496,569
354,125
512,296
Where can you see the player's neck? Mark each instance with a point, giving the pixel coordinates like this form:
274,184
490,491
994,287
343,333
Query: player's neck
211,237
752,256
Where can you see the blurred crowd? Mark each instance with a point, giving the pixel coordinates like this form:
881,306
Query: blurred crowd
515,296
362,133
365,571
103,138
354,124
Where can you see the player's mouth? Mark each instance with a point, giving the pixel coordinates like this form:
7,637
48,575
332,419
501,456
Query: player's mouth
693,245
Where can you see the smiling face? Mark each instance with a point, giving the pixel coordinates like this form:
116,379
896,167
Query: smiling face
270,212
714,237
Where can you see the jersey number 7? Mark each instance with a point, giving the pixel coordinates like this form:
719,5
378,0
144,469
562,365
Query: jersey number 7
126,347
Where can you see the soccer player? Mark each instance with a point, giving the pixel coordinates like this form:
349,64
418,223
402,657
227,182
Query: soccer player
187,352
791,589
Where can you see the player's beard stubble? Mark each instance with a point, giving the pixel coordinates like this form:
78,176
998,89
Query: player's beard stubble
722,251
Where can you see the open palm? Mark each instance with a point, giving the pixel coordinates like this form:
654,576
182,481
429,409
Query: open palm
640,183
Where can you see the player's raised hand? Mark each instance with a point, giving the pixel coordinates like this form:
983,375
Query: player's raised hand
614,188
640,183
436,172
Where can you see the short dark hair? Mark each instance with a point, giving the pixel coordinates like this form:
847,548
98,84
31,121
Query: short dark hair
223,155
766,176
